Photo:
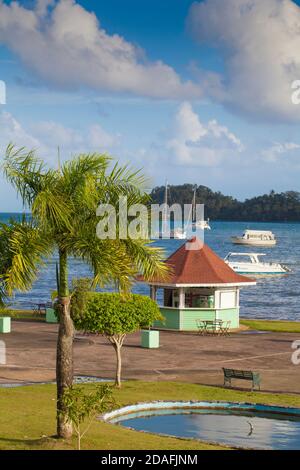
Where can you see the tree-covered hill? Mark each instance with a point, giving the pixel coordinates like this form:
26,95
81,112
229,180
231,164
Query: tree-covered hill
268,207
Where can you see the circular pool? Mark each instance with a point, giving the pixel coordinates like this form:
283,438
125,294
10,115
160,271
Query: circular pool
235,424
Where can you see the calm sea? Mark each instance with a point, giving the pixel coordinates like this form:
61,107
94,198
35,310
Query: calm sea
274,297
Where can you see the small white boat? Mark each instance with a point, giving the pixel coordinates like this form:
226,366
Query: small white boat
178,234
202,224
250,264
255,238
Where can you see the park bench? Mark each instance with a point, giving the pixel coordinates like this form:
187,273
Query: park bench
242,375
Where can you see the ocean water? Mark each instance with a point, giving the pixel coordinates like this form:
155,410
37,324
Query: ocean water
275,297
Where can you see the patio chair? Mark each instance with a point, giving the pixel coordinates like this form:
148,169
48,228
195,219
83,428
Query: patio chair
201,325
225,328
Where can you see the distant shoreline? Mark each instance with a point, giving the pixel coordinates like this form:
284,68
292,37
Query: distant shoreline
242,221
267,208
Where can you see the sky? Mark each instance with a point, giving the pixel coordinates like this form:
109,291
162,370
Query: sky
197,92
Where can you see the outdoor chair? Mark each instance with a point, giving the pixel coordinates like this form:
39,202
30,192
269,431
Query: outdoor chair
225,328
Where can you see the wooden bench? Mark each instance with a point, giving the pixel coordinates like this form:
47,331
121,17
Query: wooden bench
242,375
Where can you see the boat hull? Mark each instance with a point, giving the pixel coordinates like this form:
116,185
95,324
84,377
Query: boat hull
203,225
243,241
258,271
257,274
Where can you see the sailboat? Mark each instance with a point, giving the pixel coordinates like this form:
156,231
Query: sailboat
181,233
202,224
164,230
177,233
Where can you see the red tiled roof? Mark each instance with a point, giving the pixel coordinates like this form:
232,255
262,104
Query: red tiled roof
200,266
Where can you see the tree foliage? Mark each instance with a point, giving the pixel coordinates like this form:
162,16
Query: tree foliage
114,316
81,408
63,204
112,313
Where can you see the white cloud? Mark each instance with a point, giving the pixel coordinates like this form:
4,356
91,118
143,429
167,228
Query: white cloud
273,153
65,45
47,136
99,138
12,131
196,144
43,5
259,41
222,131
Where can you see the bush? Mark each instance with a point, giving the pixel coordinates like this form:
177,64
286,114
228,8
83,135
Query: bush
111,314
82,408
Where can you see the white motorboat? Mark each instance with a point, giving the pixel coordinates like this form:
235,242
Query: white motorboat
250,264
255,238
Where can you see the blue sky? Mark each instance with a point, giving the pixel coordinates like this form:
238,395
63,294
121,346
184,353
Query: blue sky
194,92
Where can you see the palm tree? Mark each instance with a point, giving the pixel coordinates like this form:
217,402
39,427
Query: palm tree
63,205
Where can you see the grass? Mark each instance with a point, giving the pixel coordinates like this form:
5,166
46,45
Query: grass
28,413
28,416
260,325
273,325
30,315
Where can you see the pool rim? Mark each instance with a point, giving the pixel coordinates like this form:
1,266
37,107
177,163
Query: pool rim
198,404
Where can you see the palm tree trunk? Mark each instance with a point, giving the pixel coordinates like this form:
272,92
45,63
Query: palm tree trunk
117,347
64,356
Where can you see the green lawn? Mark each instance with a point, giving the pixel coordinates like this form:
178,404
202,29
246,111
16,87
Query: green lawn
28,416
262,325
272,325
29,315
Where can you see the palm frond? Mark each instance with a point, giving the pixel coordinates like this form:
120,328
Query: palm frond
22,250
148,260
123,181
24,171
76,171
53,210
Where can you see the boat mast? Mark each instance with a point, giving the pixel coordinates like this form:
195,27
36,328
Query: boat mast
165,211
194,205
192,213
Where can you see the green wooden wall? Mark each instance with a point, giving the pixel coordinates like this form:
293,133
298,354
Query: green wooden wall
186,320
172,319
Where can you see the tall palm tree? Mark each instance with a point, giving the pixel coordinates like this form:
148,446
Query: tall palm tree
63,205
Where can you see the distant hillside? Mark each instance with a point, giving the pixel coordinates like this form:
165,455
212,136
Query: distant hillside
270,207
